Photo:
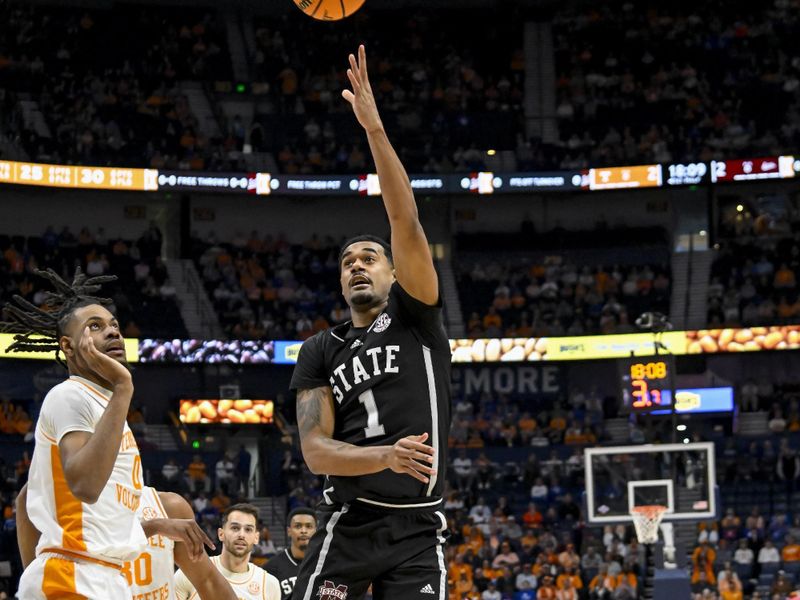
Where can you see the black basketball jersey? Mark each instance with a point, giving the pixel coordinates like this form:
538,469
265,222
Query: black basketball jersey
284,567
389,380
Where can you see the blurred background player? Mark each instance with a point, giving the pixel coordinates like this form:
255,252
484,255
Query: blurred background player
238,534
152,574
370,394
301,526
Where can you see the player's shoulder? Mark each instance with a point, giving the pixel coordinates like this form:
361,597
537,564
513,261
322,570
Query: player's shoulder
65,396
69,388
258,570
278,562
326,341
315,344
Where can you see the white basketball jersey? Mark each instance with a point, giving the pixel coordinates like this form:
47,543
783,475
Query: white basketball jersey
151,575
256,584
107,530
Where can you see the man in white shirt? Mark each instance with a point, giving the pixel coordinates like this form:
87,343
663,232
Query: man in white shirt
744,554
768,553
225,474
525,579
480,513
238,534
462,465
491,593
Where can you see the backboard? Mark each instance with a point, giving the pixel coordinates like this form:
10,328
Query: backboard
681,477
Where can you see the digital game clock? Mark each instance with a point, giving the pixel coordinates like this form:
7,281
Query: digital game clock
646,382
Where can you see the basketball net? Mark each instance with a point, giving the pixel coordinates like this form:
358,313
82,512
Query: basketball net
646,520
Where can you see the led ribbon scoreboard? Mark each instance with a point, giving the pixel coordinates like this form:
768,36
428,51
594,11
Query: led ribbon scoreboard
366,184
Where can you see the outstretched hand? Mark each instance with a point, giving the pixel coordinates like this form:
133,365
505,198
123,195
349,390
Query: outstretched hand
186,531
361,98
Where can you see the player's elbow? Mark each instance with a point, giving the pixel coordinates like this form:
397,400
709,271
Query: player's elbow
313,458
314,464
88,497
85,492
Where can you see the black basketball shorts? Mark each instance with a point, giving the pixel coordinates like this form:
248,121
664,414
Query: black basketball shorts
401,553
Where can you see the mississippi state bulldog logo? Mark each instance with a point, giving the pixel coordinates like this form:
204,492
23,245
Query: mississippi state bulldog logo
330,591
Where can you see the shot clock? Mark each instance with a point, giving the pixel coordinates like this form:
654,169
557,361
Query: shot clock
646,382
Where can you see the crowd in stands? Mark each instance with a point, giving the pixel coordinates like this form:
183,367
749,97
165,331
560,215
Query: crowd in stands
754,556
554,296
497,420
445,99
143,297
230,483
16,450
681,81
675,83
73,94
266,287
754,281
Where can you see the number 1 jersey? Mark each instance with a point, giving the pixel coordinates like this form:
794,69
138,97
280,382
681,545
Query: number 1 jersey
389,380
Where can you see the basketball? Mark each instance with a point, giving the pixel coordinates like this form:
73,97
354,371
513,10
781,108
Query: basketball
329,10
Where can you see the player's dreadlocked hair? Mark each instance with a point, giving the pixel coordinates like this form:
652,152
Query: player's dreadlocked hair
39,329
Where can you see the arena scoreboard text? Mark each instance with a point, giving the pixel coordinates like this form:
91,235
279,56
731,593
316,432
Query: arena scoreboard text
646,382
78,177
367,184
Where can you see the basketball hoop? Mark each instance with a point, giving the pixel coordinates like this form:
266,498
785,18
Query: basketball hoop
646,520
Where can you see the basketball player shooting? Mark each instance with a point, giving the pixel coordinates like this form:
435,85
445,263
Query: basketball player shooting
373,403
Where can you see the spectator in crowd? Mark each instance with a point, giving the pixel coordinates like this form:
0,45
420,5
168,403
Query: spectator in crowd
462,466
602,585
220,500
480,513
782,586
243,460
768,554
200,503
744,554
226,474
170,471
730,525
703,559
539,491
525,579
547,589
506,557
491,592
568,591
197,476
265,547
